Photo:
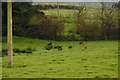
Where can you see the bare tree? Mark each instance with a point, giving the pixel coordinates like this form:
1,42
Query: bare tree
58,10
108,19
81,19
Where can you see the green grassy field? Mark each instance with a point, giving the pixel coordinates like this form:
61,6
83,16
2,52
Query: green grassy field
62,12
98,60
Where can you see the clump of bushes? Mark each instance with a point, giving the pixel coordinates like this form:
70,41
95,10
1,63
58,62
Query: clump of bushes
100,26
49,28
58,47
46,27
49,46
26,50
4,52
17,50
69,47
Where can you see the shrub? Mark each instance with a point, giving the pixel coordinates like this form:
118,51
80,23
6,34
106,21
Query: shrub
43,28
48,47
16,50
4,52
26,50
49,28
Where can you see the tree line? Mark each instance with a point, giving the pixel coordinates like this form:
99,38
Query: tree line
28,21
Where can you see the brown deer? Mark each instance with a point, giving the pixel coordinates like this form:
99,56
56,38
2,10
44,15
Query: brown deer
82,42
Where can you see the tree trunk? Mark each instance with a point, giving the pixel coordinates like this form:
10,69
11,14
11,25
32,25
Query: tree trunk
9,33
58,10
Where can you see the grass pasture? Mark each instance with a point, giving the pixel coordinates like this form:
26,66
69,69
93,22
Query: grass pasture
62,12
98,60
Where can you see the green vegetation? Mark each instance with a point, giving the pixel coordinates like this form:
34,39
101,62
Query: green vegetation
91,22
66,15
60,54
99,59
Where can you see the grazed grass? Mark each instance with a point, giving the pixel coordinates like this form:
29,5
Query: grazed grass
62,12
98,60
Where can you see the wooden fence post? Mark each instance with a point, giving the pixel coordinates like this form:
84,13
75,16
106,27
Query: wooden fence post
9,33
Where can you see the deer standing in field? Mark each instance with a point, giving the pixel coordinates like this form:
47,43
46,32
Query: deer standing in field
81,42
